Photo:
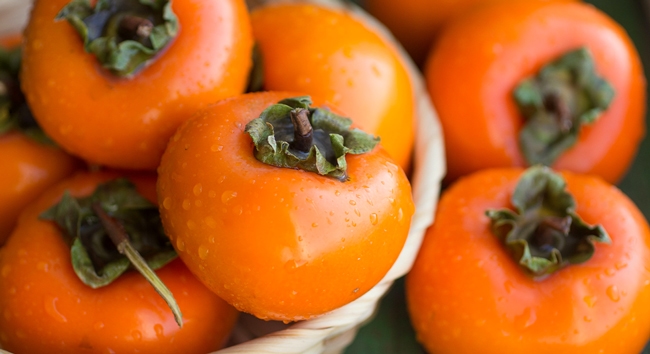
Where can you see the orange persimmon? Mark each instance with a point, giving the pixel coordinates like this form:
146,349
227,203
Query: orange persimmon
281,243
47,308
337,58
482,62
125,122
467,294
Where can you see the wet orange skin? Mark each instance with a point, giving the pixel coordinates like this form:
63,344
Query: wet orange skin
479,60
125,123
48,310
28,169
466,295
279,243
338,59
416,23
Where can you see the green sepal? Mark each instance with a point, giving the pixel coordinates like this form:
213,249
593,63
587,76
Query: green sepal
98,27
273,133
565,95
544,234
95,258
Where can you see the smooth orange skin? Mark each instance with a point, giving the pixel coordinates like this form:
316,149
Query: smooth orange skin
125,123
416,23
335,57
47,309
466,295
479,60
28,169
279,243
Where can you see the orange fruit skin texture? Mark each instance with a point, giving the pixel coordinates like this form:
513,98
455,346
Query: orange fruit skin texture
47,309
416,23
336,58
466,295
28,169
480,58
279,243
125,123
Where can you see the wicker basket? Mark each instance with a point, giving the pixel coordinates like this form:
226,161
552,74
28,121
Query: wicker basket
332,332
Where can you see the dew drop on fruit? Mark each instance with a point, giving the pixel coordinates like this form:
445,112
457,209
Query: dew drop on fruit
98,326
167,203
590,300
52,311
612,293
237,210
159,329
191,225
400,215
180,245
136,335
187,204
198,188
216,148
373,218
203,252
210,222
352,202
227,196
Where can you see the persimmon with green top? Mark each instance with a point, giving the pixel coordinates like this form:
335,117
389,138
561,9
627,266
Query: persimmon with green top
67,276
283,209
110,81
532,261
522,83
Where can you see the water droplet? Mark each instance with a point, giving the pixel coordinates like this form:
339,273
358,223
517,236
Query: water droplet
160,330
237,210
400,215
42,266
373,219
337,193
352,202
610,271
203,252
210,222
216,148
590,300
357,212
137,336
187,204
180,245
314,224
198,188
52,311
526,318
98,326
620,266
342,239
198,203
191,225
167,203
5,270
221,179
227,196
212,194
612,293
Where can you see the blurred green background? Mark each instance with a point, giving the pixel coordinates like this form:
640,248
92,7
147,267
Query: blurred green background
390,330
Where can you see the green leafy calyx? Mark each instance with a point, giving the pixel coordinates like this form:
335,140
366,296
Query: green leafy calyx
565,95
292,134
124,35
545,234
95,256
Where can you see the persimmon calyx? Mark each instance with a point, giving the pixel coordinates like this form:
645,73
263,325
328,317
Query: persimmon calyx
566,94
292,134
14,112
124,35
95,258
544,234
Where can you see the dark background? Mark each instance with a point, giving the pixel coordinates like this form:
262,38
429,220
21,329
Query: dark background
390,331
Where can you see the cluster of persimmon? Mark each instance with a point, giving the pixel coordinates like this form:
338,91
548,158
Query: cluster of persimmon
542,105
177,162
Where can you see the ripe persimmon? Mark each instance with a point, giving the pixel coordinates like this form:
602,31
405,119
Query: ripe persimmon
282,243
29,165
512,88
125,121
337,58
534,281
49,309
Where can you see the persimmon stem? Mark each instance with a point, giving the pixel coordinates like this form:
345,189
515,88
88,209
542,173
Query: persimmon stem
120,238
557,104
135,27
302,130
